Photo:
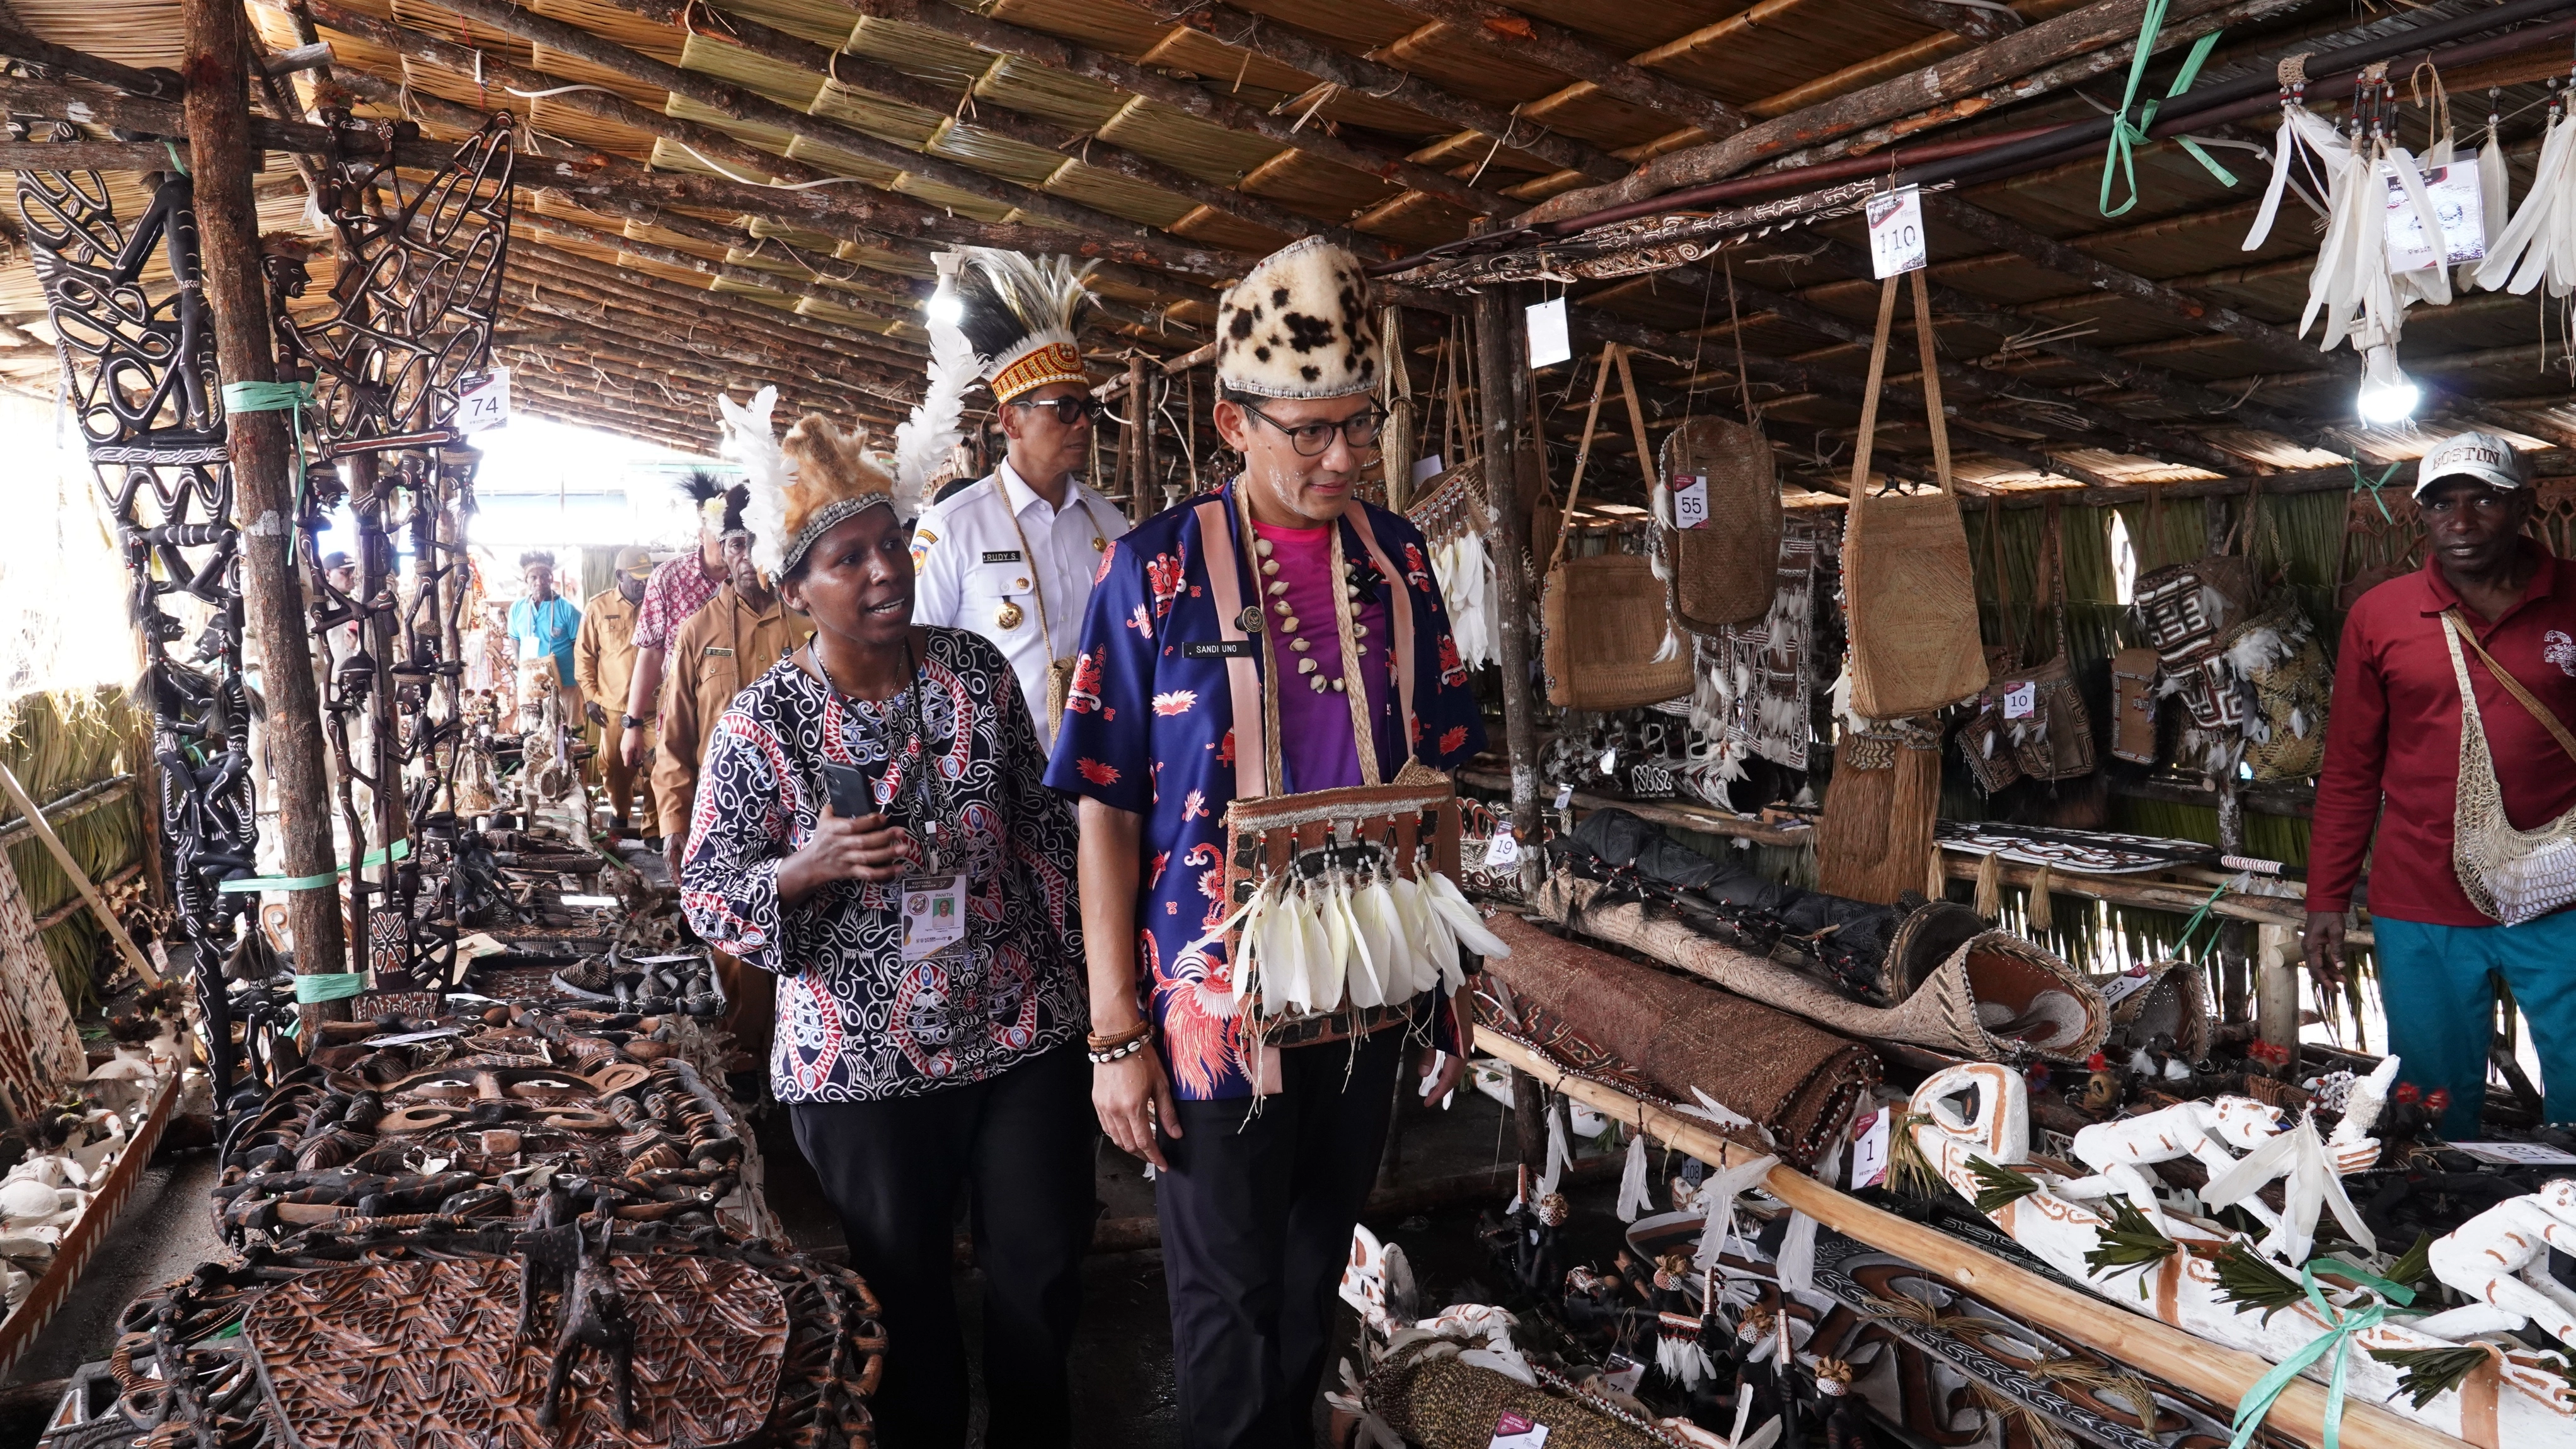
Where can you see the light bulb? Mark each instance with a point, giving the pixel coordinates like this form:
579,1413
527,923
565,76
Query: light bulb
944,308
2388,396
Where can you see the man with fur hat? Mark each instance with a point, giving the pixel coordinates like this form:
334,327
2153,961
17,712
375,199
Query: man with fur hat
1013,555
678,589
1346,642
729,642
2493,612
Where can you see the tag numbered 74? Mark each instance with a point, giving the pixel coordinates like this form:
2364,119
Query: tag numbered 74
483,401
1896,232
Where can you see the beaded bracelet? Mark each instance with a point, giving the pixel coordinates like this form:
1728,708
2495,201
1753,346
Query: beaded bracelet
1104,1041
1118,1053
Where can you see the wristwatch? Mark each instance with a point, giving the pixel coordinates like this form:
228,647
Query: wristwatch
632,723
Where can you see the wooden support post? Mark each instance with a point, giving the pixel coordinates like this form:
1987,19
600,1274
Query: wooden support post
263,463
1502,387
1529,1121
80,880
1138,446
2276,992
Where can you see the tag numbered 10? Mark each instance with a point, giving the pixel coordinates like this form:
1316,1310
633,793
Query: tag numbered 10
1896,232
483,401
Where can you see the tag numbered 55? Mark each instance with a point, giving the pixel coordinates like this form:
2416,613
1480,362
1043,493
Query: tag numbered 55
1896,233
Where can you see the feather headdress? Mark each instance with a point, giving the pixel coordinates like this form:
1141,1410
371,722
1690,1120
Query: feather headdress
801,486
719,505
1017,312
923,442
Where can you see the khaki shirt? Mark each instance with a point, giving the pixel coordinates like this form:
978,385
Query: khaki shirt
722,647
603,653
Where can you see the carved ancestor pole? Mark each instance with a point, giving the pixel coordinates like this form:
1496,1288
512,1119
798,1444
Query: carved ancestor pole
218,115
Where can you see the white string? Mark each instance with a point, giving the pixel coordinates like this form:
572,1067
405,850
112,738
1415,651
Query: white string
558,91
763,185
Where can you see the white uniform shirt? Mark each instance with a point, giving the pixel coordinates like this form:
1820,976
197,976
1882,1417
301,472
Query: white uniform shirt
970,572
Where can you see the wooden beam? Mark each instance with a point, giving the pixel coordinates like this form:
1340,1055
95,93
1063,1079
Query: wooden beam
2220,1375
1546,43
217,38
1089,224
157,84
1265,37
1972,22
2098,38
1040,48
79,878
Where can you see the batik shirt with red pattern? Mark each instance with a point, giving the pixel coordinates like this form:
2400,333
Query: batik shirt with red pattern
855,1021
678,588
1148,728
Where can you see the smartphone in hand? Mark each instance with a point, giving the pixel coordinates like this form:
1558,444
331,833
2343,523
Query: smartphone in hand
852,793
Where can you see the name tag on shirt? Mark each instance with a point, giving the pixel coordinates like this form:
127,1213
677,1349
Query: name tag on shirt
719,654
1004,555
934,915
1218,649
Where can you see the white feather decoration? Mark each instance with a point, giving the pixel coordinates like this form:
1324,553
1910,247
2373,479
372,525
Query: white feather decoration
1633,1199
922,442
750,440
2540,241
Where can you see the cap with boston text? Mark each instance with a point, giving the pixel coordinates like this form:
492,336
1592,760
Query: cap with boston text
2482,457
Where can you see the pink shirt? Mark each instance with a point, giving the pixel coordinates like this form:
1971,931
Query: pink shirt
679,588
1315,749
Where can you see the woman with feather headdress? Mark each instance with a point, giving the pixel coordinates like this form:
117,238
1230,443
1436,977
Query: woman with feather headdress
1012,556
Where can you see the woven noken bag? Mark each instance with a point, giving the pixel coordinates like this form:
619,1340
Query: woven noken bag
1726,570
2512,875
1604,616
1907,588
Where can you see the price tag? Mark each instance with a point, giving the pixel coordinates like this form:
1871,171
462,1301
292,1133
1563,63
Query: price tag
2453,190
2515,1154
2022,700
1896,232
483,401
934,915
1504,849
1548,342
589,903
1622,1373
1512,1431
1564,796
1869,1150
1426,468
2121,988
1690,500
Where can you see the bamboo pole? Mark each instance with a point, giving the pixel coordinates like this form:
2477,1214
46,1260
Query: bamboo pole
218,123
80,880
2221,1375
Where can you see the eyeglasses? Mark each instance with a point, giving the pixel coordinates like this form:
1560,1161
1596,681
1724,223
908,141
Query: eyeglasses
1311,440
1069,410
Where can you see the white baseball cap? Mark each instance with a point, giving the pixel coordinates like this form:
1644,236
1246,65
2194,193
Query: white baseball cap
2482,457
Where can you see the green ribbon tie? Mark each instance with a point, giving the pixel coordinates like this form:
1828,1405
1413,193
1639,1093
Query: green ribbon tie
2191,927
276,397
2340,1330
2360,482
401,851
2127,135
329,986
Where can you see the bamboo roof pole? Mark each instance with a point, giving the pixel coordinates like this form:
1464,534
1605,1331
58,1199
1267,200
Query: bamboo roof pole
1091,225
703,380
1265,37
845,68
217,114
623,400
2222,1375
2078,44
666,302
81,883
1040,48
1593,67
563,315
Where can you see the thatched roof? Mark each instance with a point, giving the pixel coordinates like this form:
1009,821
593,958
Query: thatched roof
721,192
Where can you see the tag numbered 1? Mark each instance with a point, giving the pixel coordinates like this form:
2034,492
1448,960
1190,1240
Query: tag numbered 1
483,402
1896,241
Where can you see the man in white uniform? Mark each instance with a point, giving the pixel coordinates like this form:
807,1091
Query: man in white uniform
1013,556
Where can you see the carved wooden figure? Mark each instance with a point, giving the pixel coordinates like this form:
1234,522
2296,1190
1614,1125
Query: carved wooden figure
594,1317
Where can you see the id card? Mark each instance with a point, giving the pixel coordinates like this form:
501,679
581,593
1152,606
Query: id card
934,914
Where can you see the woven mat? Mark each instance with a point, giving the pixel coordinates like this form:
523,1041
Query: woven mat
1797,1080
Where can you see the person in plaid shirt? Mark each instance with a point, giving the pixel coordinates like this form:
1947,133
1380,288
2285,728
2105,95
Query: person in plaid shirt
678,589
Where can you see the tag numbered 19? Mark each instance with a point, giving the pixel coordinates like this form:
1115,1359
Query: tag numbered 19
483,401
1896,233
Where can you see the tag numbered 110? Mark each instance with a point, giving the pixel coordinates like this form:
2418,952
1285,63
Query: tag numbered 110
1896,238
483,401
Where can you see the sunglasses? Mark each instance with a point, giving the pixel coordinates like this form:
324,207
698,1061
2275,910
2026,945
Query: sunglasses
1069,410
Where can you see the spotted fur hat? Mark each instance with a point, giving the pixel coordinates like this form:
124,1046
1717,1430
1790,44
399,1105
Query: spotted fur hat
1298,326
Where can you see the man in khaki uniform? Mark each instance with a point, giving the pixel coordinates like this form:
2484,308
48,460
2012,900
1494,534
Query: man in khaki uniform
725,645
604,664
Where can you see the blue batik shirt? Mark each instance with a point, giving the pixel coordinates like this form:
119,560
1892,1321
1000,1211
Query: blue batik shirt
1149,729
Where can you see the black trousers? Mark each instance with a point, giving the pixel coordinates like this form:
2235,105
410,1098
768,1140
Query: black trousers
1257,1212
1023,1142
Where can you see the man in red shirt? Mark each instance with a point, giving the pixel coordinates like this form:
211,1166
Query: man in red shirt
2394,734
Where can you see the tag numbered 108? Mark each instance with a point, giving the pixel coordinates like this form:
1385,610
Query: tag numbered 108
1896,233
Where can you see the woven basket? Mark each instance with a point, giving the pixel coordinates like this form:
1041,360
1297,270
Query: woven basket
1908,590
1726,570
1605,622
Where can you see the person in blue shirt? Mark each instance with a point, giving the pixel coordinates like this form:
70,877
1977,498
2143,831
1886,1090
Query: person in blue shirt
545,623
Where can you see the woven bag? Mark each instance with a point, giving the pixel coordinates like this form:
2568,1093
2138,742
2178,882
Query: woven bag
2133,706
1726,569
1604,616
1908,590
1407,824
2512,875
1985,745
2055,740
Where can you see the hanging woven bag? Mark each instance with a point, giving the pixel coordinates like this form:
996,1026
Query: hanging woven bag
1610,644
